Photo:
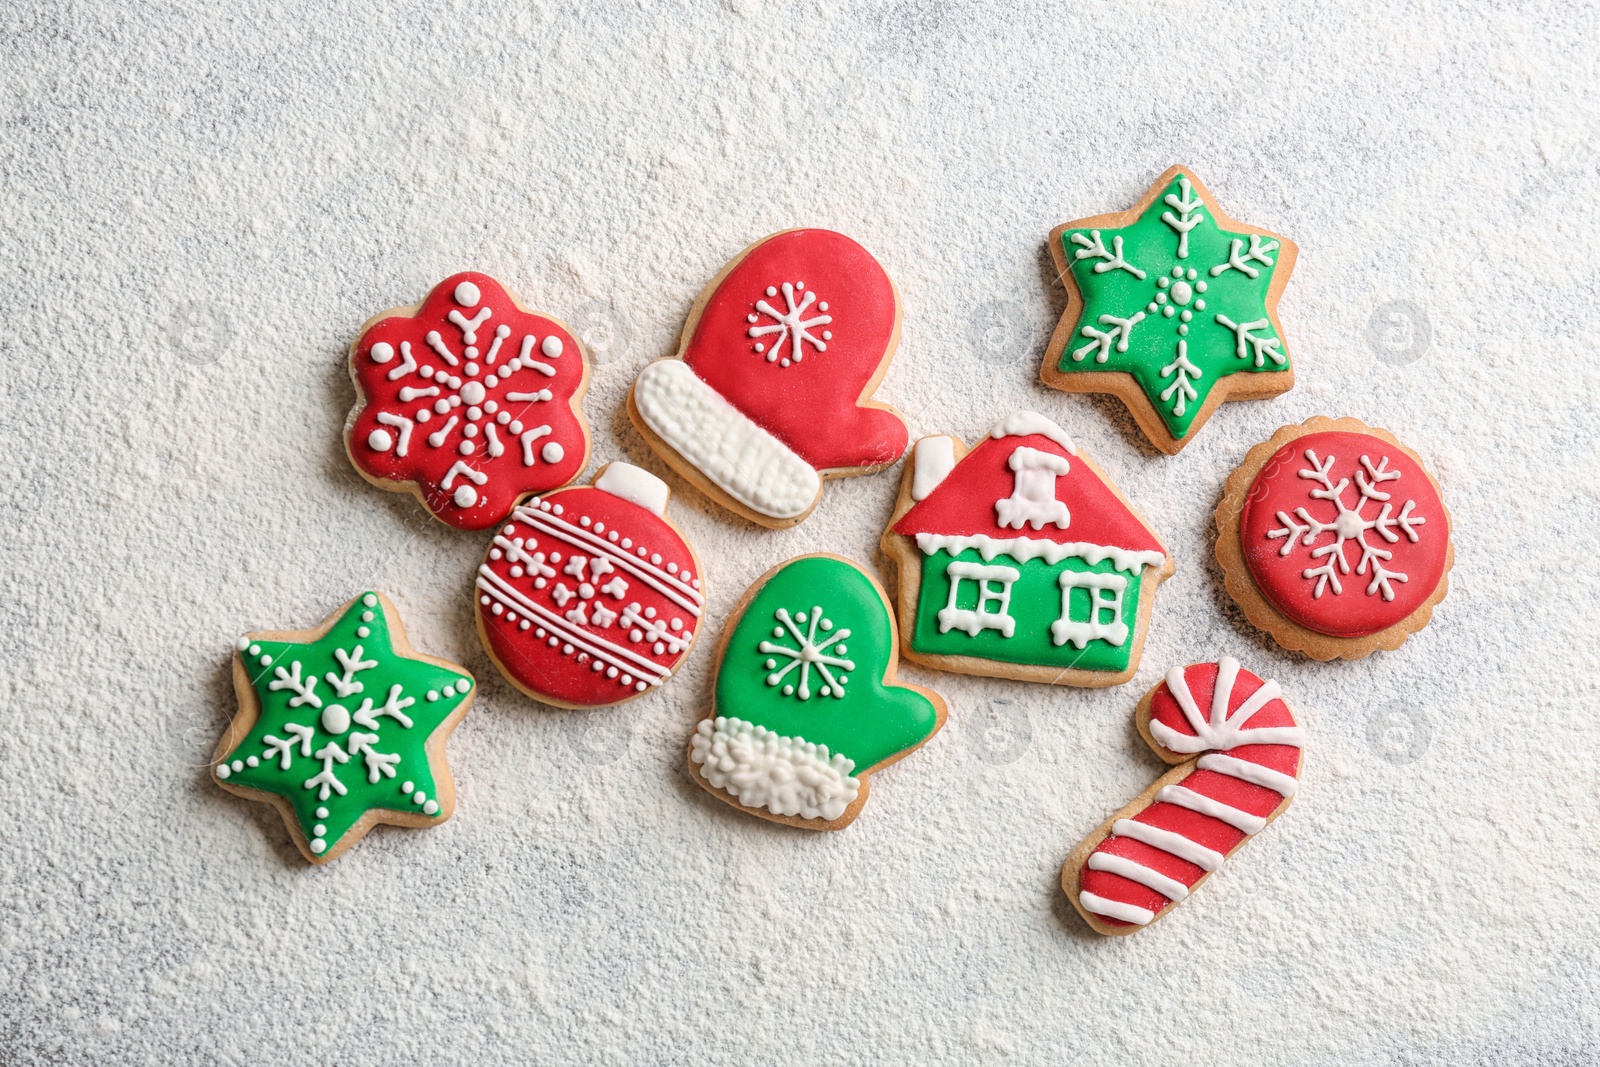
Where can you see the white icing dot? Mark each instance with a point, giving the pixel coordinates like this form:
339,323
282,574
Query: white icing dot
322,813
822,306
318,845
523,625
551,346
419,796
363,631
611,672
433,694
761,347
474,392
788,690
223,770
462,685
516,426
1200,286
441,405
370,600
255,650
467,295
557,509
382,352
244,643
367,616
449,690
552,452
266,661
497,609
1199,305
426,371
407,787
672,568
431,807
483,600
423,414
772,290
319,829
626,679
238,765
640,687
503,417
474,413
656,559
599,527
676,624
253,761
509,530
466,496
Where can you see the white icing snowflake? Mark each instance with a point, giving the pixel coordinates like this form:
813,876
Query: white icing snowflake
1349,525
472,395
809,653
790,325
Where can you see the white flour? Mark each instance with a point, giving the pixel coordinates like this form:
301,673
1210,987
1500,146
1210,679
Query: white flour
201,203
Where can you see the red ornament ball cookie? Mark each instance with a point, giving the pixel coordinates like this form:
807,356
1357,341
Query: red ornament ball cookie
1335,538
468,400
590,596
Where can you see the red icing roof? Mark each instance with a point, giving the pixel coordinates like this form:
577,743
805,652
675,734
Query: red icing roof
963,504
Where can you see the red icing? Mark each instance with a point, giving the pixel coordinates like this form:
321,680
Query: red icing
1205,830
1352,612
810,405
963,504
508,476
554,671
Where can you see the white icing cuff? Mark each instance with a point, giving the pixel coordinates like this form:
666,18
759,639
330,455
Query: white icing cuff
747,462
761,769
635,485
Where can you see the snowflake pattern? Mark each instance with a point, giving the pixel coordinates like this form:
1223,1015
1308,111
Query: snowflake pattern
581,592
807,653
1175,301
790,325
473,390
325,752
1348,524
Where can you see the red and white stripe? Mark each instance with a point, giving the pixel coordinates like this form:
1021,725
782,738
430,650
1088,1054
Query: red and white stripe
1252,749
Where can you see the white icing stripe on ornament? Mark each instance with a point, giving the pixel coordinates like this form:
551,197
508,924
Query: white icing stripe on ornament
1022,549
461,468
436,439
501,332
679,593
932,462
635,485
1134,871
1223,731
1116,909
595,645
436,343
1183,797
1167,841
761,769
531,398
407,363
742,458
408,394
401,423
1254,773
1024,423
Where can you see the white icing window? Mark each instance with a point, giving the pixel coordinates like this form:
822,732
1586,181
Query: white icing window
1105,610
1033,494
994,604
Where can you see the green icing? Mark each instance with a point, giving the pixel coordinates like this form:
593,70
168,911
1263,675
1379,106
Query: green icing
1195,354
427,696
846,705
1035,603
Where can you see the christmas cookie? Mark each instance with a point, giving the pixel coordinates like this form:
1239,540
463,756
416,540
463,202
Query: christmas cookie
590,596
806,703
1334,538
1239,751
770,391
343,727
468,400
1172,306
1019,559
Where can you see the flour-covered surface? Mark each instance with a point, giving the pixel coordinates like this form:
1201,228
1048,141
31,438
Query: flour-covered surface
202,202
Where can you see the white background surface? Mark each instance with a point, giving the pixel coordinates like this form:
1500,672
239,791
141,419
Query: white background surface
199,205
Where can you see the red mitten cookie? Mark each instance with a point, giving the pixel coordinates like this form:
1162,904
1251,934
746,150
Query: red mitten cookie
590,596
769,393
468,400
1240,751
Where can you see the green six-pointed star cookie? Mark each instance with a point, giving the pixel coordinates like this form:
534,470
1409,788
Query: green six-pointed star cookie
345,724
1175,299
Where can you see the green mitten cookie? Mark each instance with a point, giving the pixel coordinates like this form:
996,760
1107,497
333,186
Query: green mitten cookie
807,704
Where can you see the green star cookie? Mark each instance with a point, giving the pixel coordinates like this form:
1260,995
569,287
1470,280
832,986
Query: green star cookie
1172,306
343,727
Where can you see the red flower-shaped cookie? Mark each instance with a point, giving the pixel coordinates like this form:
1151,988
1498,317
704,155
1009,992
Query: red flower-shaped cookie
769,393
469,400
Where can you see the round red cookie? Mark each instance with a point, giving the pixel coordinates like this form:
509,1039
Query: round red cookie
468,400
590,596
1344,533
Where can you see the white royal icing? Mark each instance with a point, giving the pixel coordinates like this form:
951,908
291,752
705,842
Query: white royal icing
761,769
1023,549
1023,423
931,463
635,485
750,464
